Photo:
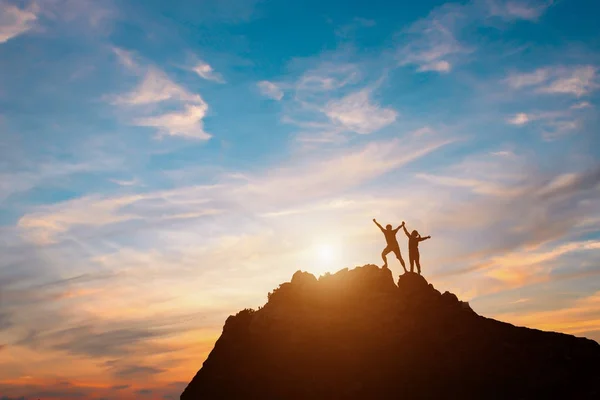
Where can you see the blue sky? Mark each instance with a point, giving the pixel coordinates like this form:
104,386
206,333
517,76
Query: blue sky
165,164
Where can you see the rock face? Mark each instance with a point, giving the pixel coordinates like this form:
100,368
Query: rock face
357,335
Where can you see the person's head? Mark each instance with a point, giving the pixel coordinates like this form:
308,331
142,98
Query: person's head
388,227
414,233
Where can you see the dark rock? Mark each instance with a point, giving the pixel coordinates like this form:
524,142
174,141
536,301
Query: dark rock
356,335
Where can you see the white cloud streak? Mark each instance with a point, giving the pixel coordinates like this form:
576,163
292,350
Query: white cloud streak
519,119
15,21
575,80
187,123
517,10
270,90
156,88
205,71
355,112
281,187
435,43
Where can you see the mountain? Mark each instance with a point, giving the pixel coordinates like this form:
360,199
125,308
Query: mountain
357,335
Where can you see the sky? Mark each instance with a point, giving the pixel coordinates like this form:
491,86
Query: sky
164,165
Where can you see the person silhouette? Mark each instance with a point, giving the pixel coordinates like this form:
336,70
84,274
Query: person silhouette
392,244
413,247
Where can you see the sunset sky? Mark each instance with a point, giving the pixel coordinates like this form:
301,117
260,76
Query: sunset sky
164,164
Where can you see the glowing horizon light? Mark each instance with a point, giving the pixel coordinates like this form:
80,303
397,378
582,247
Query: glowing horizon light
327,257
326,253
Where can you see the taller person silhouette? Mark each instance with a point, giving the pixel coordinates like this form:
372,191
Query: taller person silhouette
392,243
414,238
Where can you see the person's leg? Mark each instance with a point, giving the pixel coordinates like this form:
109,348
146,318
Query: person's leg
417,257
399,257
383,254
412,261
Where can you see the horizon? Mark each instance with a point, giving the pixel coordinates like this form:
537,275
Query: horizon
164,166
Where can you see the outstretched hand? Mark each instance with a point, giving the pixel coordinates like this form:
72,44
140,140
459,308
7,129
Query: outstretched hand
374,220
402,223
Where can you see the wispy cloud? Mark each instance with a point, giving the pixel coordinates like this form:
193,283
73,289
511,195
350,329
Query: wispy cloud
579,81
576,80
355,112
437,42
348,29
270,89
330,101
126,58
581,105
15,21
519,119
122,182
514,10
551,124
156,87
582,317
326,77
500,212
186,121
290,184
204,70
432,41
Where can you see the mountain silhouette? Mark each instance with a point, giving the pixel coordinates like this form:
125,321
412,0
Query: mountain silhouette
356,334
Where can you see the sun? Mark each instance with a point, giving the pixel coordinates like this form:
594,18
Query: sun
326,253
326,257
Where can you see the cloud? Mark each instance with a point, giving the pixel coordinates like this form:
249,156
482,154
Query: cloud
49,222
439,41
519,119
270,89
581,105
26,174
499,218
518,81
579,318
5,321
355,112
529,10
579,81
437,66
121,182
127,59
552,124
126,371
15,21
350,28
187,123
286,185
576,80
204,70
156,88
432,41
325,105
326,77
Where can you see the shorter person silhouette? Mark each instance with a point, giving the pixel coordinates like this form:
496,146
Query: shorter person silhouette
413,248
392,244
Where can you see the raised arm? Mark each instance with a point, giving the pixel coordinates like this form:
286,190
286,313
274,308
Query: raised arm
424,238
377,223
399,226
405,231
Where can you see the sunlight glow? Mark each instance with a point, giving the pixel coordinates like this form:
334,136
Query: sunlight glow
326,253
326,256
